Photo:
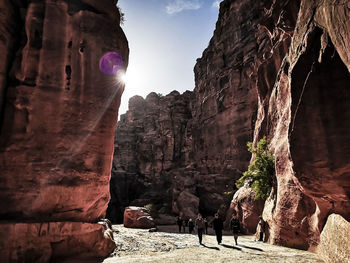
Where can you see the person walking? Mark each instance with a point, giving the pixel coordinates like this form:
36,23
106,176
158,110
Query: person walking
190,226
235,226
200,227
260,230
218,225
184,225
206,225
179,223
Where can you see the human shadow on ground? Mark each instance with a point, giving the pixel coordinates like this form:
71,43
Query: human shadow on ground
216,248
254,248
233,247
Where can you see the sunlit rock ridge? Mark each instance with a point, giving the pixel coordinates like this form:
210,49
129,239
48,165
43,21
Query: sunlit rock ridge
274,68
58,117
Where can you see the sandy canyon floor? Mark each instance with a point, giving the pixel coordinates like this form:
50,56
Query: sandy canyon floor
166,246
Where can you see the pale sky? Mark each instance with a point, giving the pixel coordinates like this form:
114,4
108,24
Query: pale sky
165,39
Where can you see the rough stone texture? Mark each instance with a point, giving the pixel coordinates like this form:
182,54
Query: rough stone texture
58,111
248,209
335,242
138,217
150,148
193,145
42,242
306,118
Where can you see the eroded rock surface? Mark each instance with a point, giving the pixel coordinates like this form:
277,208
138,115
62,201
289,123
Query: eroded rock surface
58,112
138,217
150,148
248,209
184,152
334,243
44,242
306,118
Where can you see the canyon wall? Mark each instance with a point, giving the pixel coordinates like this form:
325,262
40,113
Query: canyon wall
150,150
306,117
185,158
280,69
58,116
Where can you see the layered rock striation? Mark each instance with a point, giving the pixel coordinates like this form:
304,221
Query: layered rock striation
183,153
306,116
58,116
150,150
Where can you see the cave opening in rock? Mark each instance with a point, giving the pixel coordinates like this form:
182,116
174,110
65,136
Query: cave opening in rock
320,128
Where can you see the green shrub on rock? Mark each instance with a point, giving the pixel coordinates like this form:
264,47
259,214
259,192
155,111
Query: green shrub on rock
261,171
149,207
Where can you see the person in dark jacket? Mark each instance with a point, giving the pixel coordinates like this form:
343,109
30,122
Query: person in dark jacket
235,226
206,225
260,230
190,226
184,224
218,225
179,223
200,227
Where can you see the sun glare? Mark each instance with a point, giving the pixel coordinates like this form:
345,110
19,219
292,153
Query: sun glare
122,77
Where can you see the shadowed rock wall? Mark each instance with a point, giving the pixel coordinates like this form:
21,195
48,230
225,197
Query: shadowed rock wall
58,111
306,118
193,166
150,150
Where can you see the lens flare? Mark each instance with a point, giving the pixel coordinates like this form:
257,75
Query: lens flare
111,63
122,77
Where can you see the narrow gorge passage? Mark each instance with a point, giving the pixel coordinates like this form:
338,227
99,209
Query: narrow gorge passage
237,110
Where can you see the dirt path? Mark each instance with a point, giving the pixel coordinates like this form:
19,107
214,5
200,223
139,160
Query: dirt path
135,245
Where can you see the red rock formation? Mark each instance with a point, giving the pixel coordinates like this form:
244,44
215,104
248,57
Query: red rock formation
247,208
150,149
59,111
306,118
138,217
43,242
197,149
225,103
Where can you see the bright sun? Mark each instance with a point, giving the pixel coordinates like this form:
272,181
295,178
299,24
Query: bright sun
123,77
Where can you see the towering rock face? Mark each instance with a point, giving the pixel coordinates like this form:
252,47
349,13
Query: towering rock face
306,117
225,103
192,157
58,111
150,152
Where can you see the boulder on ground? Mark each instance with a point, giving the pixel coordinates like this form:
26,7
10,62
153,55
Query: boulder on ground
138,217
335,240
248,209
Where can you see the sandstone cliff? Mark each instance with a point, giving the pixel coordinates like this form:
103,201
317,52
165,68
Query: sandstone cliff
306,117
150,150
189,162
58,116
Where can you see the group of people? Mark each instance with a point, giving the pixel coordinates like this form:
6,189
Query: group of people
202,226
182,224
